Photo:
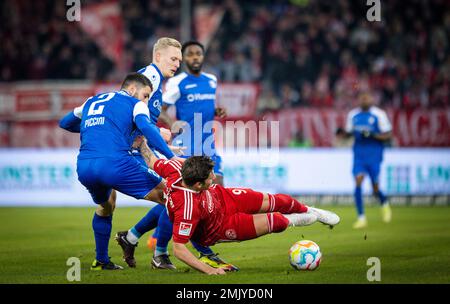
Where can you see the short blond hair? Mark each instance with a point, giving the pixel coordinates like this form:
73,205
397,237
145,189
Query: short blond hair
164,43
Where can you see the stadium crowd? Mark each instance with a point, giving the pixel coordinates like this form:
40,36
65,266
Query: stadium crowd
303,52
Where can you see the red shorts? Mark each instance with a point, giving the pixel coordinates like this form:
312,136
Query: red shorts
241,204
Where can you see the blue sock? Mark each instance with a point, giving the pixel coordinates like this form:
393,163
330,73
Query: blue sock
381,197
359,201
164,233
155,233
202,249
150,220
102,232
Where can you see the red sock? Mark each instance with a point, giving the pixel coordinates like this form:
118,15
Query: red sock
285,204
277,222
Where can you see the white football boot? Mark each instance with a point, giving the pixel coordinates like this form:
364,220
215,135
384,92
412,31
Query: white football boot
324,216
300,219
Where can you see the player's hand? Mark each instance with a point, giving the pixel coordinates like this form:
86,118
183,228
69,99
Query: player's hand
165,134
216,271
221,112
340,131
177,149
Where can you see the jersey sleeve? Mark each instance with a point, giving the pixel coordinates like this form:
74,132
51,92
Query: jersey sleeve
152,74
383,122
165,168
185,218
349,122
172,92
140,108
78,111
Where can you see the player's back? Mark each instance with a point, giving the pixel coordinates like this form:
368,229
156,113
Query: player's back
193,95
106,125
198,215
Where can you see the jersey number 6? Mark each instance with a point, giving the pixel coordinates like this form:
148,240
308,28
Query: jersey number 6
237,191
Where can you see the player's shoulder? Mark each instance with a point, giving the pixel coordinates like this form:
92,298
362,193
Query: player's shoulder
173,165
353,112
377,111
210,76
152,73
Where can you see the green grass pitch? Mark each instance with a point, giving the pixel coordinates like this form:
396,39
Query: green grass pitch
35,244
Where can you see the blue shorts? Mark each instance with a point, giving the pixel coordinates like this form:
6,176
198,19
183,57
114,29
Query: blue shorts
366,167
125,174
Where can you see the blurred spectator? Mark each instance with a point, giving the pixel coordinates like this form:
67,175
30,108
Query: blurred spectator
311,53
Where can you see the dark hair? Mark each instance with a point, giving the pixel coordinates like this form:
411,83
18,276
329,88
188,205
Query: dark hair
138,78
196,169
192,42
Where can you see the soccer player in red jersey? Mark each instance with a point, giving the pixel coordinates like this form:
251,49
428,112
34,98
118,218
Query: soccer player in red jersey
209,213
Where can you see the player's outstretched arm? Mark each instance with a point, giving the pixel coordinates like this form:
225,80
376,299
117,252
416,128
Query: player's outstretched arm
182,253
153,135
70,123
147,153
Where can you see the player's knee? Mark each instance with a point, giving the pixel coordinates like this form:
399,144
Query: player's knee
112,200
279,222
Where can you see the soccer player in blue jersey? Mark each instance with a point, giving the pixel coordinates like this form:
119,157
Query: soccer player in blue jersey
203,87
370,127
106,123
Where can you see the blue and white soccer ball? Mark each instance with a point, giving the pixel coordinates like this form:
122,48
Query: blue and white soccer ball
305,255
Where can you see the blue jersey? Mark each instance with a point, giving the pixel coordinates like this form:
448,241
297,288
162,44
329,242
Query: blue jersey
375,121
155,102
194,98
107,122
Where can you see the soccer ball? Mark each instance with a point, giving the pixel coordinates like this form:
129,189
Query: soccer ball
305,255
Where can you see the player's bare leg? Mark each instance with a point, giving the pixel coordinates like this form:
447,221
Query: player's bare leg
157,194
107,208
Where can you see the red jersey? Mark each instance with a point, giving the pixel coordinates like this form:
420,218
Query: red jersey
195,215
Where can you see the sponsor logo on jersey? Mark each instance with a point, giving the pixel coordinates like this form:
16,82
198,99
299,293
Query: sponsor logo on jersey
198,96
157,104
185,229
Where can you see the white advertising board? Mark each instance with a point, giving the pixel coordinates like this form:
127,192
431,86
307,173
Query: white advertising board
47,177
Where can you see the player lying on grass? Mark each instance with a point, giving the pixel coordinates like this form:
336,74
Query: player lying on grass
106,122
209,213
